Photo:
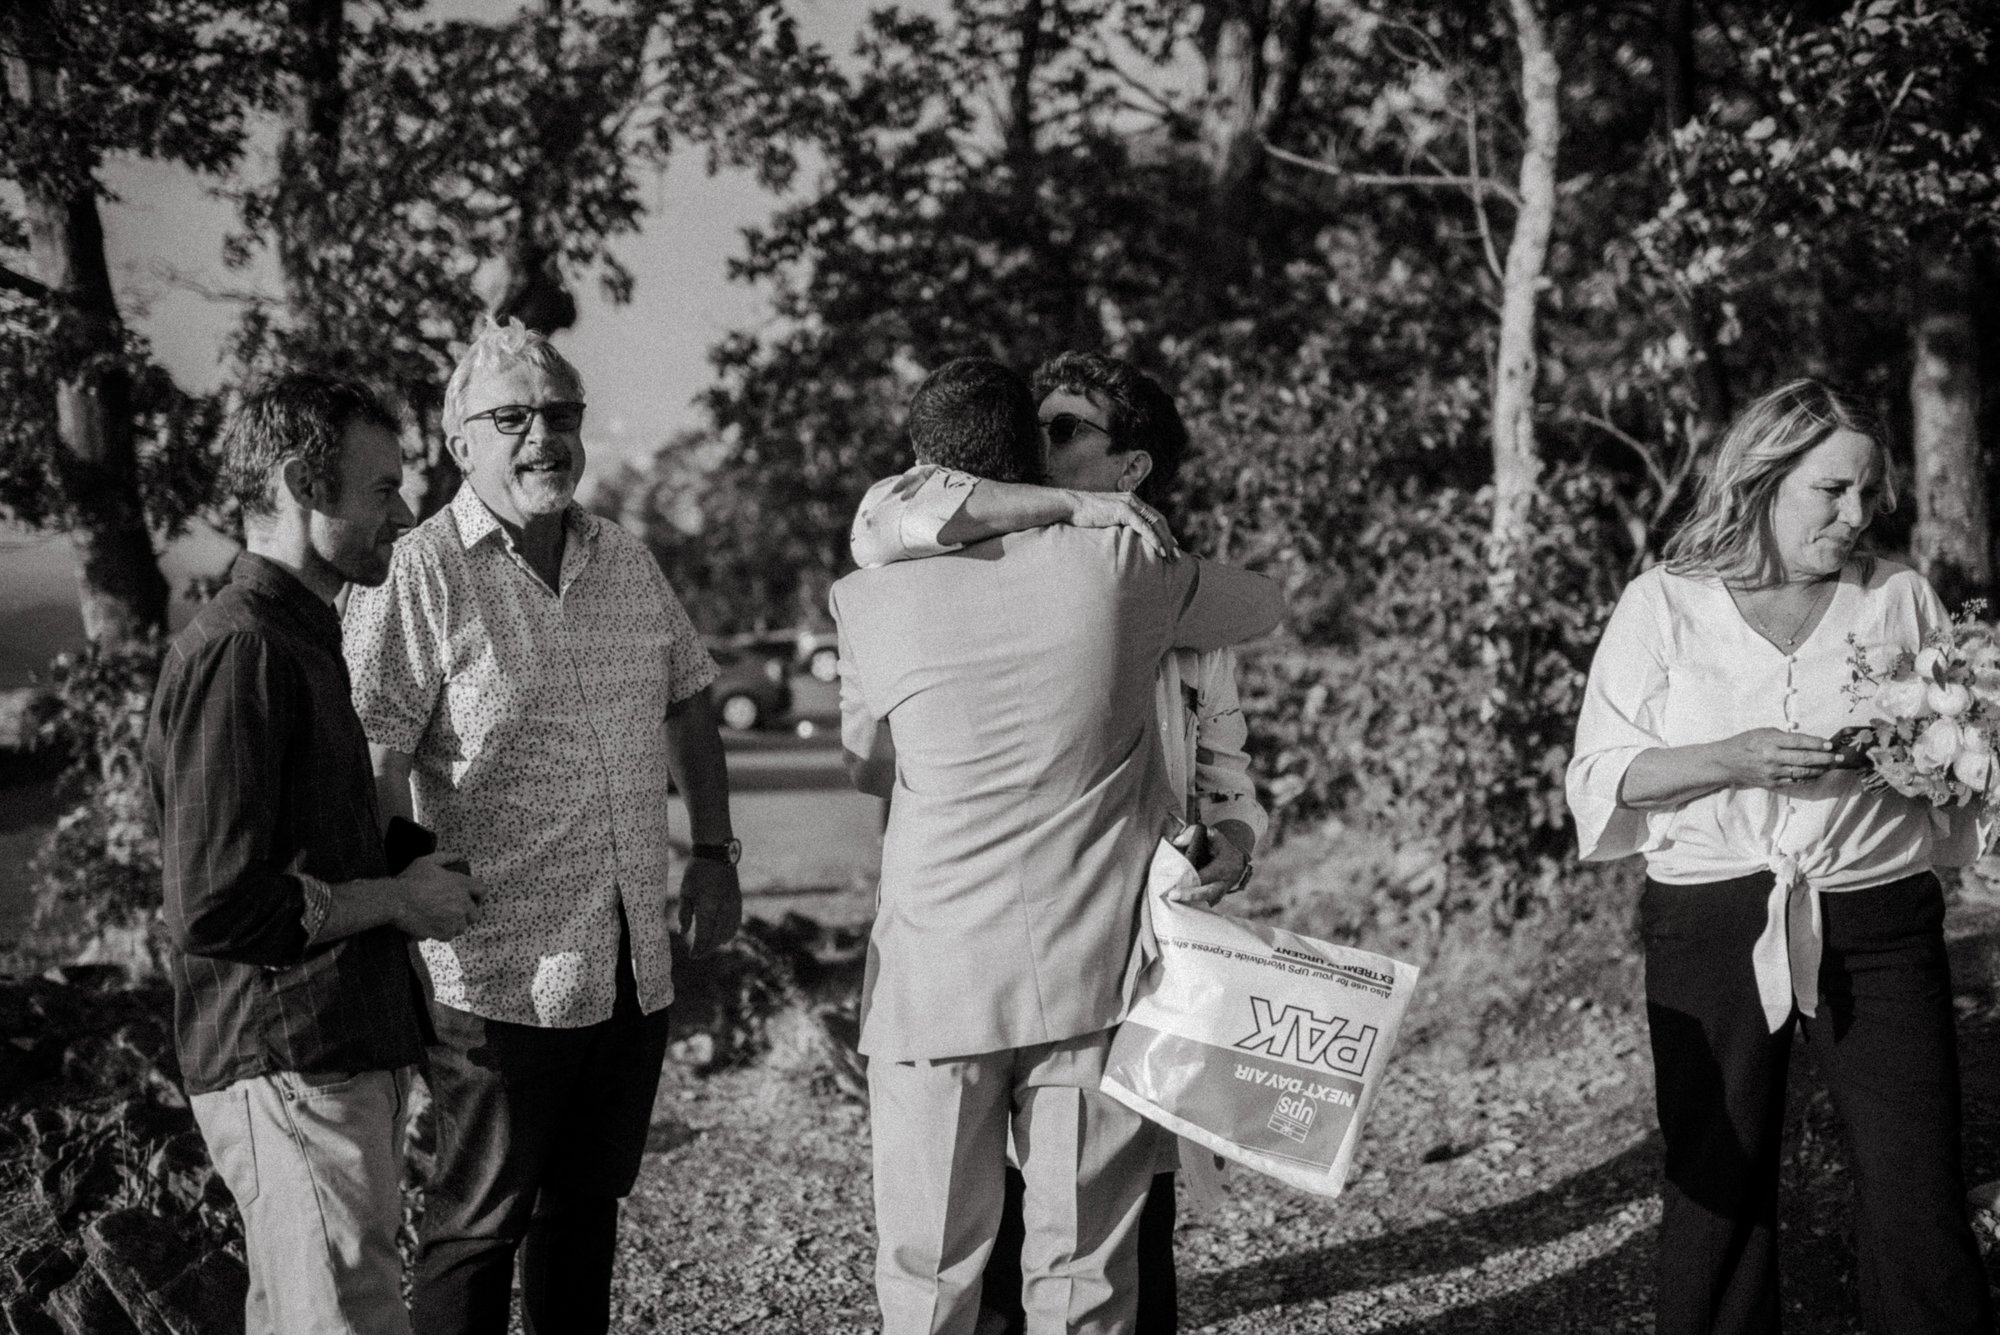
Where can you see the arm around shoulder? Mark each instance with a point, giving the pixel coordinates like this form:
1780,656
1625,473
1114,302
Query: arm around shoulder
912,515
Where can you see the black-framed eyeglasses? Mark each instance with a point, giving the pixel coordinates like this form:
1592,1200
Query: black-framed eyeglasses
513,419
1062,428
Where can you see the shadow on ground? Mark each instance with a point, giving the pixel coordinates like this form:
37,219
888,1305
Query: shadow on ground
1613,1293
1447,1245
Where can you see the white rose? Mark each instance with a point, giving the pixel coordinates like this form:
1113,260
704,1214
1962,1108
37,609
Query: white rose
1974,768
1949,700
1930,664
1902,697
1938,745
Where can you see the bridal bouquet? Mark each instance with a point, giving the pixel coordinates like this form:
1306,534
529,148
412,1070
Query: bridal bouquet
1937,714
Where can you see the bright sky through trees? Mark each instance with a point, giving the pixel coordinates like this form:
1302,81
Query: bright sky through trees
644,361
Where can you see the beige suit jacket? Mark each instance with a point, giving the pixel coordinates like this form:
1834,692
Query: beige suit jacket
1016,676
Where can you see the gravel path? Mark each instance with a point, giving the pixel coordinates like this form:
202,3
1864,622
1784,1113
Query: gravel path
1516,1197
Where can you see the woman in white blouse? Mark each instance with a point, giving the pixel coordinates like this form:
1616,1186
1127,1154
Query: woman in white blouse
1779,890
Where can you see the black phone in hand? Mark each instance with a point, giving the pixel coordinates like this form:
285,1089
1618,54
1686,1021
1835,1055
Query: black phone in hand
1850,746
404,842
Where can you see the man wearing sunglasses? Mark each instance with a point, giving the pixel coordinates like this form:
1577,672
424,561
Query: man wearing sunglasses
1000,695
1113,442
529,683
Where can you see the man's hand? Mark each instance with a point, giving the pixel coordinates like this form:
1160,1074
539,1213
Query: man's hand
711,904
436,903
1226,858
1122,509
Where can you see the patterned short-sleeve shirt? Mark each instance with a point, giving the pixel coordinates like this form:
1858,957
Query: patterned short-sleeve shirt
536,724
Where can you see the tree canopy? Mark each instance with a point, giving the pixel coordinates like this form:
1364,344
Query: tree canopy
1304,218
1455,298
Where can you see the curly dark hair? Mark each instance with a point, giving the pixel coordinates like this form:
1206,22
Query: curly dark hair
300,416
977,416
1143,415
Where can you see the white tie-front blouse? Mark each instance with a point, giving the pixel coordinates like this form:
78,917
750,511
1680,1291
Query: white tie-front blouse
1679,666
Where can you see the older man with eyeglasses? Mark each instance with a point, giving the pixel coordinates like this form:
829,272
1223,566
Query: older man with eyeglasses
529,683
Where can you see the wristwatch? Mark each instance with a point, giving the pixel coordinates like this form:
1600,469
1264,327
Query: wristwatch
730,853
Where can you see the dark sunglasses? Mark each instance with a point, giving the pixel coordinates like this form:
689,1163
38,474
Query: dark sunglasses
513,419
1062,428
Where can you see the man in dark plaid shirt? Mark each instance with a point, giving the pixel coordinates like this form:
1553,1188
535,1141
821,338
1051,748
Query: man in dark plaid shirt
296,1009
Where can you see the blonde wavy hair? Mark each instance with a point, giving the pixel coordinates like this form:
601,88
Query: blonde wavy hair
504,343
1728,535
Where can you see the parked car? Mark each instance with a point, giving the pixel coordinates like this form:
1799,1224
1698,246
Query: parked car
812,651
820,654
753,689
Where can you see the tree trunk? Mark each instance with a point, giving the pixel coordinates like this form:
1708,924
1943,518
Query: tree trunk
309,157
1953,539
1061,316
1021,98
535,292
1674,25
122,594
1676,32
1516,460
1249,100
1228,129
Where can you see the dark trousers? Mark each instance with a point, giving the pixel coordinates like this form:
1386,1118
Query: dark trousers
1884,1045
539,1134
1159,1297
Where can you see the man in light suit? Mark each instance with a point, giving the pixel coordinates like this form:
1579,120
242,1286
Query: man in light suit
1115,442
1015,677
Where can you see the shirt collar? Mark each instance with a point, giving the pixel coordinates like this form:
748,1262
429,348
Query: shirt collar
476,523
281,586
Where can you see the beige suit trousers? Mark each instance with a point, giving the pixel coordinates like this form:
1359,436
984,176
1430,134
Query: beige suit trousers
940,1145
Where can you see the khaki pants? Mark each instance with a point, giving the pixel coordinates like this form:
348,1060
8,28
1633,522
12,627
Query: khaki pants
940,1147
315,1163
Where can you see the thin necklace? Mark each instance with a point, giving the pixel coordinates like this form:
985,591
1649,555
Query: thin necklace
1786,643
